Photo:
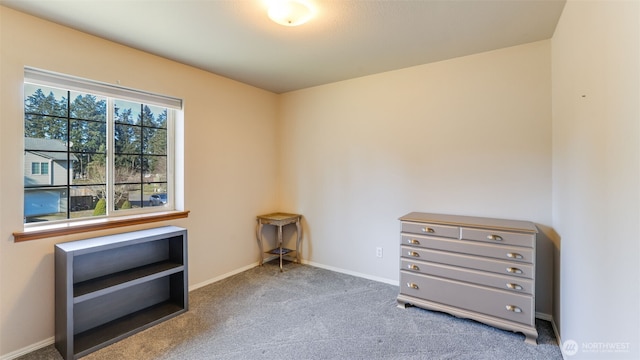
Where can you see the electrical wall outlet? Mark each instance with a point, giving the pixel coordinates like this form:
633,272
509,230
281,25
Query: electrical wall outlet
379,252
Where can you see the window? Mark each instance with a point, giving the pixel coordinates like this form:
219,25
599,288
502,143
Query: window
107,150
38,168
35,168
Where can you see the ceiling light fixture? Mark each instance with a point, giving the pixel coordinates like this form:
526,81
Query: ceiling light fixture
290,12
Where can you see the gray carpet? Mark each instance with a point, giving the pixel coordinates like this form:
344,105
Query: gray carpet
311,313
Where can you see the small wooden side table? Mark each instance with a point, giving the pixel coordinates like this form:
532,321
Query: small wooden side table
279,219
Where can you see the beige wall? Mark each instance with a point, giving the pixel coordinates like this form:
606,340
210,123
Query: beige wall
468,136
229,162
472,135
596,174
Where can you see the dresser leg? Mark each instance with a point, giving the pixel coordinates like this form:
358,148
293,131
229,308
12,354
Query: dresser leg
402,304
531,339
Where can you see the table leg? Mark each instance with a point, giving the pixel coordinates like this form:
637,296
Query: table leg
299,234
259,238
280,244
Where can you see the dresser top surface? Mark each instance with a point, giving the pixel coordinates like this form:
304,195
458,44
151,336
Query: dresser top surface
472,221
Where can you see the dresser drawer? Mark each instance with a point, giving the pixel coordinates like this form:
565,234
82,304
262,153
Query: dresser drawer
431,229
469,261
504,282
493,302
470,247
498,237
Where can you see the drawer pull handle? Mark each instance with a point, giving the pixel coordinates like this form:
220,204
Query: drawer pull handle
514,255
514,286
494,237
413,241
413,267
413,253
514,308
428,230
514,270
412,285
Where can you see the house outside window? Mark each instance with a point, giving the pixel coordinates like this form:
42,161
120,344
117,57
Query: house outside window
94,150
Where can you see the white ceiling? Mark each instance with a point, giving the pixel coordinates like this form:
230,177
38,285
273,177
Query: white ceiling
346,38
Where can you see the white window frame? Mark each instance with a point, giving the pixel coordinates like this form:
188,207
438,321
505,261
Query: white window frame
111,92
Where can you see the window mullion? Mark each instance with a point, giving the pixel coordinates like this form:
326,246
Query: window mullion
110,163
170,156
69,168
142,144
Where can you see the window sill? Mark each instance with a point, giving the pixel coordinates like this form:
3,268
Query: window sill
93,225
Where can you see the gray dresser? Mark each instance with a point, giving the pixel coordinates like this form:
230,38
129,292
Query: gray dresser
470,267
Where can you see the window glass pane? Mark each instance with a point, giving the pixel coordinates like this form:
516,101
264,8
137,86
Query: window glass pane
127,169
89,146
154,141
154,116
84,201
128,196
45,204
38,153
45,127
126,112
155,168
88,169
88,107
157,195
88,137
127,139
43,100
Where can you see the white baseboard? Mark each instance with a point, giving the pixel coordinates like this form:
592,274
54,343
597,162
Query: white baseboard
223,276
555,331
353,273
310,263
28,349
544,316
